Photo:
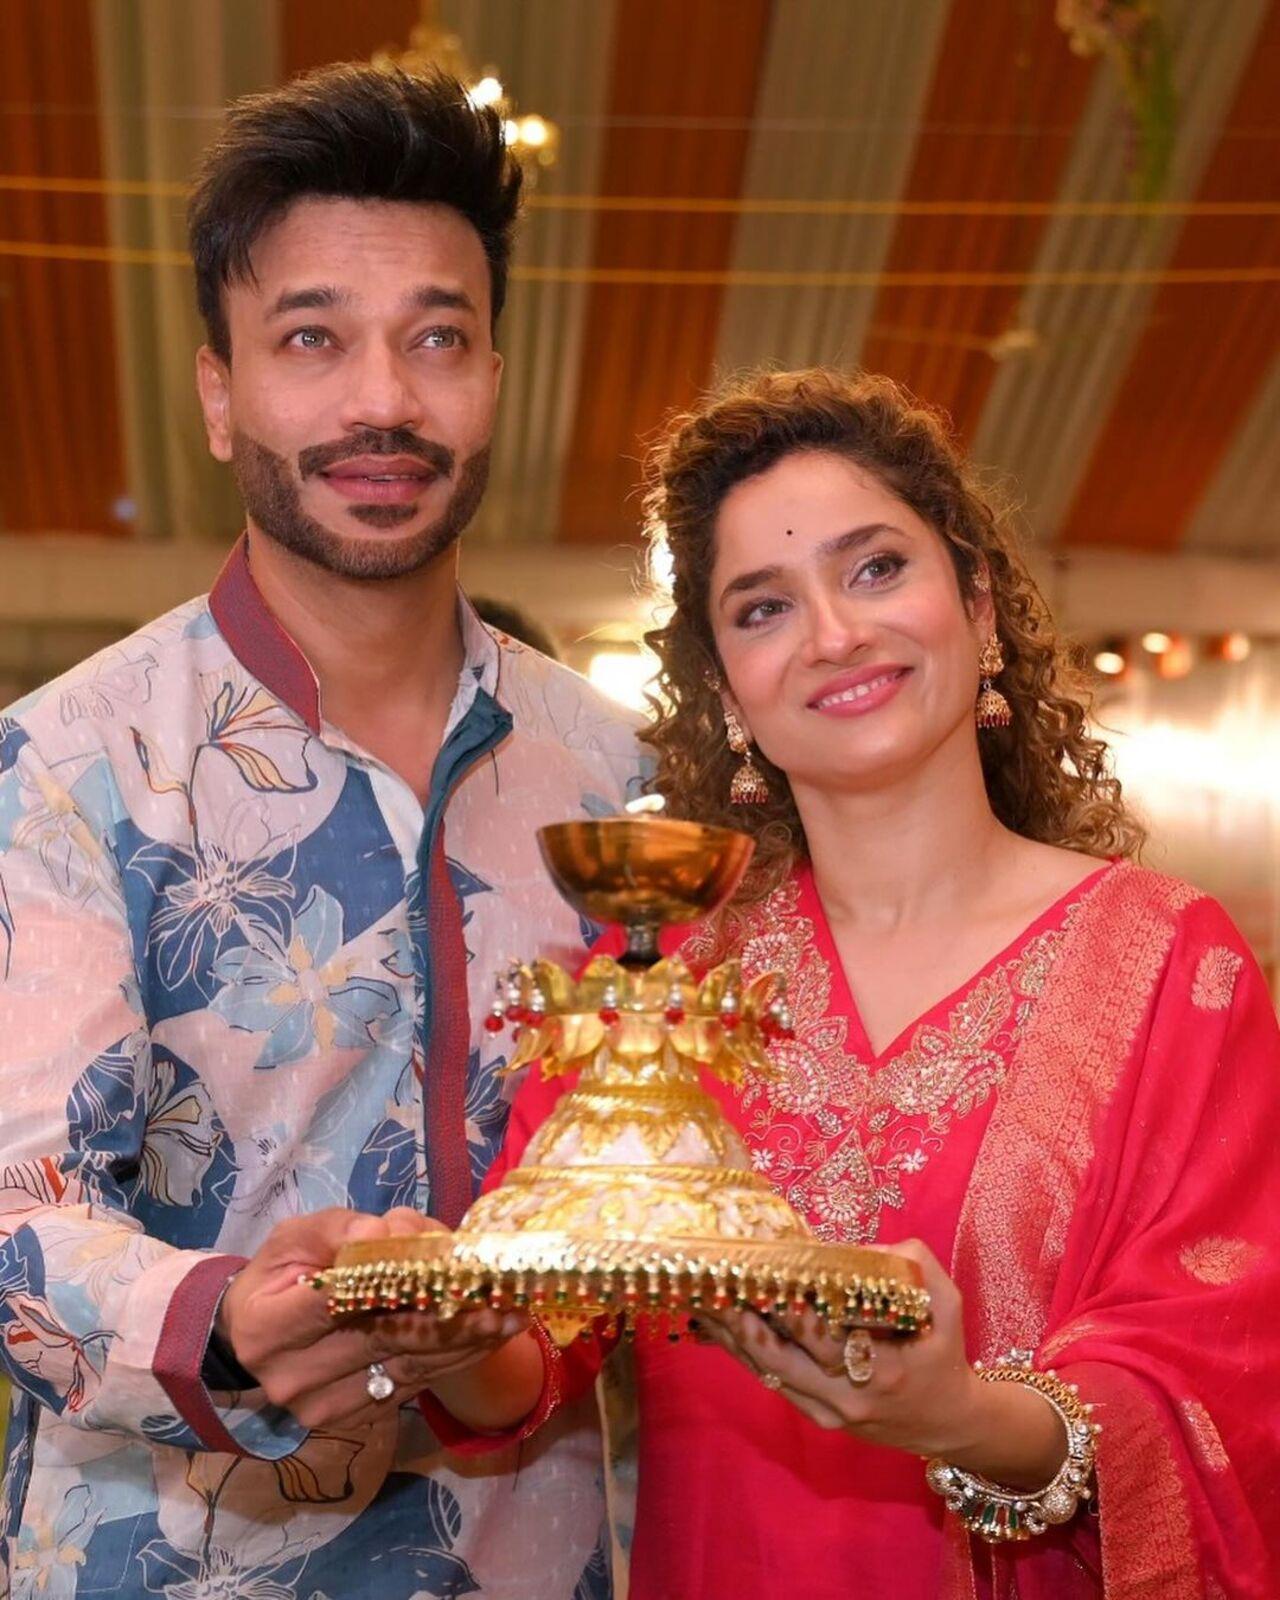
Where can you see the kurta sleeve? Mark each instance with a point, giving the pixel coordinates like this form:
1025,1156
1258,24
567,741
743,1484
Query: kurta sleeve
101,1322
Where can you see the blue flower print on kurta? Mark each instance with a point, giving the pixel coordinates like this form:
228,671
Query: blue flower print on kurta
304,994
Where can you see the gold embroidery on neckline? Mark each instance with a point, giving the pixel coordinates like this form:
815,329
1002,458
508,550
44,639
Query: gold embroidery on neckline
838,1136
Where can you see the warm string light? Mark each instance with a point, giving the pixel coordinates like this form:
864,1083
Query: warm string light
1233,647
1111,660
1178,660
1173,655
532,139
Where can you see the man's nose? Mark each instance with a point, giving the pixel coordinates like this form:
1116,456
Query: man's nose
382,393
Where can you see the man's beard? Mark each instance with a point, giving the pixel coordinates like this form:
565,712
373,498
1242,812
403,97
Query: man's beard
271,495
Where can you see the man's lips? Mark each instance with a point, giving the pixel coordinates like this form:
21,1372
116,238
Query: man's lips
853,693
380,480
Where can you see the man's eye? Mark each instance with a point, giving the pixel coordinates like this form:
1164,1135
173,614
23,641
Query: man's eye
309,339
443,339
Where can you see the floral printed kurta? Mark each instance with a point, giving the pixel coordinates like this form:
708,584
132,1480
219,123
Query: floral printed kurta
242,976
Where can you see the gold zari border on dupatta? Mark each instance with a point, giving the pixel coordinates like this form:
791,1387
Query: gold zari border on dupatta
1028,1175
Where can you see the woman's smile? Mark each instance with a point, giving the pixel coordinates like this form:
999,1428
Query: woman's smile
855,694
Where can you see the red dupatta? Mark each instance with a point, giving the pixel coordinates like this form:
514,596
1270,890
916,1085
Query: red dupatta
1122,1219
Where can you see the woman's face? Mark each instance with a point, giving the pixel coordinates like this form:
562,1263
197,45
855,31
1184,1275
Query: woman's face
847,648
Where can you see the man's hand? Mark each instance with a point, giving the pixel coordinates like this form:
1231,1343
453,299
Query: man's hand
281,1332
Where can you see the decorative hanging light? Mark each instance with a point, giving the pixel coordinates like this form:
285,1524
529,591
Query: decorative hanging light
534,140
1233,647
1112,660
1176,661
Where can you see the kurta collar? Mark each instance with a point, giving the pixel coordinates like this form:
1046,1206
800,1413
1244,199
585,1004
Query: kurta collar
266,651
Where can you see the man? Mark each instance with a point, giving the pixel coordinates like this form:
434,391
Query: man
257,866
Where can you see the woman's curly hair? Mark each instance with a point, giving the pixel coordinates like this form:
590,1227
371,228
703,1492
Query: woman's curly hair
1047,776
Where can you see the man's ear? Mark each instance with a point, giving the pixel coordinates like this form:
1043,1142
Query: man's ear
213,385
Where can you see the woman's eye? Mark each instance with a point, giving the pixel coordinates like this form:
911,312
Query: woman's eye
879,569
760,611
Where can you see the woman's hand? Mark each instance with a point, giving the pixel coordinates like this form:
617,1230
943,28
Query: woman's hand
922,1394
281,1332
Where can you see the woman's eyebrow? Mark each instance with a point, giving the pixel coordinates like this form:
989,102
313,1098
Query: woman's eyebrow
838,544
842,542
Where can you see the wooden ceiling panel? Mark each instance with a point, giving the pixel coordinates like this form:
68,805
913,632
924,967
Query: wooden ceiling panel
316,32
1207,349
61,464
997,125
683,90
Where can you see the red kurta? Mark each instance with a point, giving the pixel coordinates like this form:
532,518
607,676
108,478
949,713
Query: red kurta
1085,1131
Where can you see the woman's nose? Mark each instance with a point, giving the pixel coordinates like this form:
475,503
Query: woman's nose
838,629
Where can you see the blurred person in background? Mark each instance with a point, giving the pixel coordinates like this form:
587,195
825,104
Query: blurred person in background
1042,1071
257,865
509,619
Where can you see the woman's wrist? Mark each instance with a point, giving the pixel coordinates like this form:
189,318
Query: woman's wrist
1008,1434
1002,1487
497,1392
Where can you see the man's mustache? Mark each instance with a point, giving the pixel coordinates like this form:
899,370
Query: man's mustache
375,442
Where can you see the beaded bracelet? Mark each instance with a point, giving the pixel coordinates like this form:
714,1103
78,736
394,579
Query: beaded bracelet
997,1514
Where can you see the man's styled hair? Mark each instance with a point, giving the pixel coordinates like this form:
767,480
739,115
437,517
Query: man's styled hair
351,132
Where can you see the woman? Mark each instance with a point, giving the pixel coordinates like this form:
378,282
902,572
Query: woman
1034,1061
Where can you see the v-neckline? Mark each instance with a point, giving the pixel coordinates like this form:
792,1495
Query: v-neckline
842,998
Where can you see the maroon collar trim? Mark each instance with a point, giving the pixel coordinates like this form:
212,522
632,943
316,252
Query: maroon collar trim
258,641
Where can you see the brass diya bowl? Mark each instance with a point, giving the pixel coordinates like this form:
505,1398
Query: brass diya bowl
644,871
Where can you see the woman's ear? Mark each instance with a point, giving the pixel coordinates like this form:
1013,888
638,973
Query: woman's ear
728,705
733,712
980,603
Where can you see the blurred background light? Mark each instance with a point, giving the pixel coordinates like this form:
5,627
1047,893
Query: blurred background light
624,673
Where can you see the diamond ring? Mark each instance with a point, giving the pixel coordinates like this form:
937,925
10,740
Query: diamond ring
859,1357
771,1380
379,1385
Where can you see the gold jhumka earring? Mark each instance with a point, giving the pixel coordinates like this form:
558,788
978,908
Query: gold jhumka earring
992,709
749,787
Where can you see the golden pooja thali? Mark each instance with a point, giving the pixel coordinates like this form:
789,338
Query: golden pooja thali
636,1200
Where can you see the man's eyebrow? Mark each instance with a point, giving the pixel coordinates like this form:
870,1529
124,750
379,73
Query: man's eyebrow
431,297
320,297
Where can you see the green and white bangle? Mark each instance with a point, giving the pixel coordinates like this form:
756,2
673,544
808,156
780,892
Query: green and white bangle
997,1514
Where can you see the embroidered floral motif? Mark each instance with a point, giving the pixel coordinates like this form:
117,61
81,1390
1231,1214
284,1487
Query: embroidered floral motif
834,1134
1217,1260
1215,978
